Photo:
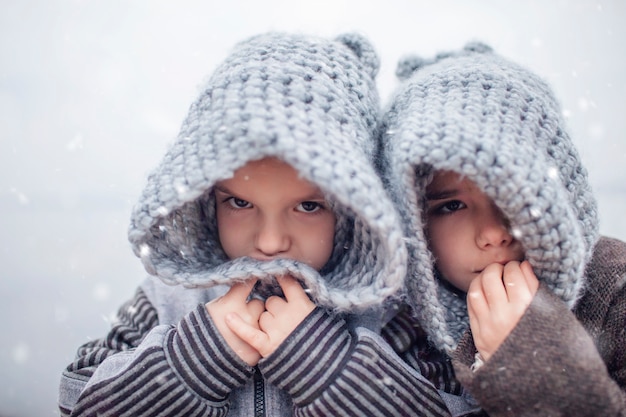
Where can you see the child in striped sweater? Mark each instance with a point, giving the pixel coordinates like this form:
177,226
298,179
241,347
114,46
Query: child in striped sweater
273,249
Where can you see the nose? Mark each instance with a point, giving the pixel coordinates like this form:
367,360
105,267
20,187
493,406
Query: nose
272,238
493,230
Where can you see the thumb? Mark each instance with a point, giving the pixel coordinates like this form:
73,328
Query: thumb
249,334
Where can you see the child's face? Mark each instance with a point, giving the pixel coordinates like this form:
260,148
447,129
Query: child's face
266,211
465,229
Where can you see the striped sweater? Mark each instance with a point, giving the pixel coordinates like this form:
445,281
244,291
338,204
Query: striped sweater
313,104
168,359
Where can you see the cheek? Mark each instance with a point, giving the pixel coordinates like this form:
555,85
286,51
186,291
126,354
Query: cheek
321,242
328,238
231,235
453,254
438,237
444,244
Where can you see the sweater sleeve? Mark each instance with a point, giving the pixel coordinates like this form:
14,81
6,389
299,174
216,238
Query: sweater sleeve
143,368
548,365
410,342
328,370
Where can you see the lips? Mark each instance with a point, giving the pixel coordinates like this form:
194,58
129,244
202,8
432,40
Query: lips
501,262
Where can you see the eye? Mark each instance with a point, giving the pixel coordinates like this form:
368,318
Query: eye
448,207
309,207
238,203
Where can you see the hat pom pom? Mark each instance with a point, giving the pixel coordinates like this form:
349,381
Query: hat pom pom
363,49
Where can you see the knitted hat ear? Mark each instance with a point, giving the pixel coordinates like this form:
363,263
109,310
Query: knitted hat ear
478,47
363,49
411,63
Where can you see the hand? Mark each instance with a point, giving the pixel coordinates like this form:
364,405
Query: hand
235,302
281,317
496,301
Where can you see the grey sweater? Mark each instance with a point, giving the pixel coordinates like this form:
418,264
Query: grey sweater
562,362
498,124
556,362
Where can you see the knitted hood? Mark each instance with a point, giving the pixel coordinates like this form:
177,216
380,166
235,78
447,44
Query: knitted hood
500,126
312,103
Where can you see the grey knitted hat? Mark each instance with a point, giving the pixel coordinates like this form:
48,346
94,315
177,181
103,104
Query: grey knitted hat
312,103
499,125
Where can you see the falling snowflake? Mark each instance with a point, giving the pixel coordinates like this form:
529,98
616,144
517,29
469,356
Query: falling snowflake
21,197
144,250
182,190
161,379
110,318
553,173
101,292
535,212
21,353
75,144
61,314
596,131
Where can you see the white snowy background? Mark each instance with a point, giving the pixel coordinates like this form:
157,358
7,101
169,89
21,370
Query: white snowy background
91,92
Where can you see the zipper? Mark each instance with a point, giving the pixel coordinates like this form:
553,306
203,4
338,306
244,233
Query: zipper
259,394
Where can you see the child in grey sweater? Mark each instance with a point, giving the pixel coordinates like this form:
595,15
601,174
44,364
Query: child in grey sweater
512,296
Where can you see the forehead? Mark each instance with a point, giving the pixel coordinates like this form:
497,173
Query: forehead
266,167
446,178
450,180
271,173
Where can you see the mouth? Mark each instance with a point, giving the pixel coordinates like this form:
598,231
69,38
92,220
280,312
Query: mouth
501,262
266,258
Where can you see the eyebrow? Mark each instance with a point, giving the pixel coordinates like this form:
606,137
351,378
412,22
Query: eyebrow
441,194
315,195
222,189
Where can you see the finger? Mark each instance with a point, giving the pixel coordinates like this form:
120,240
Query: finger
477,306
291,287
531,279
249,334
255,308
492,285
242,289
520,282
515,282
265,321
273,304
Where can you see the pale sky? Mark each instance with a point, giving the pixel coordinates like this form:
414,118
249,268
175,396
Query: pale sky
91,93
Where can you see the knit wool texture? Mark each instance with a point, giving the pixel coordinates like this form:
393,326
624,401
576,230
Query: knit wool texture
499,125
312,103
